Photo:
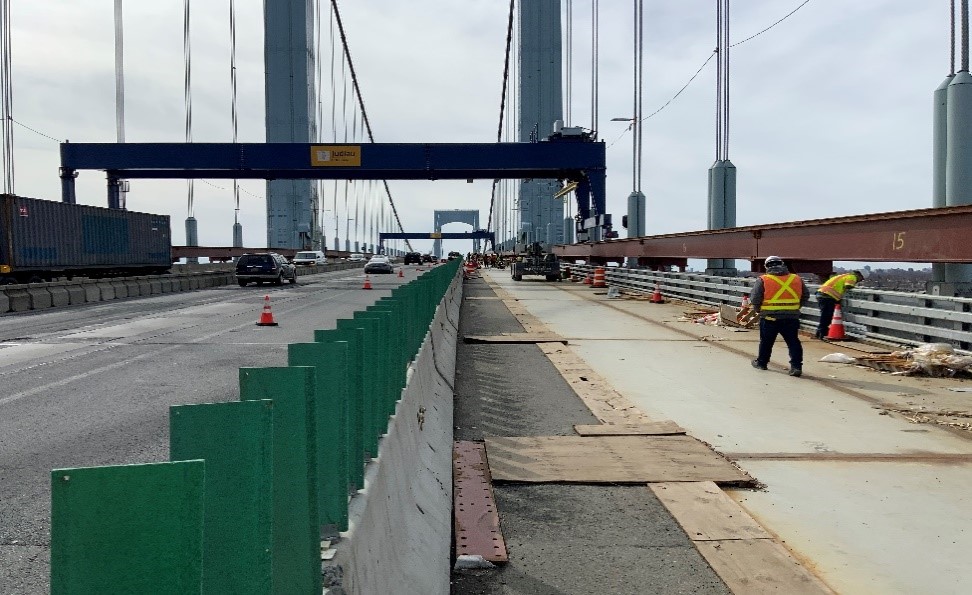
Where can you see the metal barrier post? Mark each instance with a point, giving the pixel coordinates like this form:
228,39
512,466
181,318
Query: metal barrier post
236,441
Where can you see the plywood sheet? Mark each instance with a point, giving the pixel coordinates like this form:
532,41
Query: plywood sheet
658,428
758,566
607,459
515,338
706,512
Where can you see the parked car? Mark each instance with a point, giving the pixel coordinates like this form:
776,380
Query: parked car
264,266
413,258
379,264
454,255
356,257
310,258
428,258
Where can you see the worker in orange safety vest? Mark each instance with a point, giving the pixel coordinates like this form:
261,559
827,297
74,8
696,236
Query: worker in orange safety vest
778,296
831,293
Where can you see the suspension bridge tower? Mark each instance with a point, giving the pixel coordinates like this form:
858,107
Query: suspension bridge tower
541,104
290,117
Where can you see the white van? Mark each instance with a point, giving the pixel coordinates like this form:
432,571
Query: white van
357,257
310,258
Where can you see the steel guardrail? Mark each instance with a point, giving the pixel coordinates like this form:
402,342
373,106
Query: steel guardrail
891,317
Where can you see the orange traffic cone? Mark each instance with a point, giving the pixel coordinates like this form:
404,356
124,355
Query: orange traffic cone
367,283
656,297
587,279
266,317
599,280
836,332
745,302
400,273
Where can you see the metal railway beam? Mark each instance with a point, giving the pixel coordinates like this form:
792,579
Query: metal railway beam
923,235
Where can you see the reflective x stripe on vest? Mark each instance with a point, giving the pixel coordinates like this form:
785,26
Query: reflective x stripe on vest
781,293
837,285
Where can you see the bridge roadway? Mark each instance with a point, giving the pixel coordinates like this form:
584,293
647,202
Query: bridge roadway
868,501
91,385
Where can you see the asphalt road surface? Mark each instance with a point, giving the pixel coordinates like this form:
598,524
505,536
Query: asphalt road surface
91,385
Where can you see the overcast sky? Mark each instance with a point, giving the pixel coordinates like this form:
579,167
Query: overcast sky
830,110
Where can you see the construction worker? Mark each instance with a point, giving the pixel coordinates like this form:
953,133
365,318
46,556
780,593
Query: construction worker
778,296
831,293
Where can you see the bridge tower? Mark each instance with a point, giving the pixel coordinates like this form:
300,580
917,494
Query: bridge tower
441,218
541,104
288,50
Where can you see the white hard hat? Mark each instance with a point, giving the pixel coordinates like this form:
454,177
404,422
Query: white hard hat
864,273
772,260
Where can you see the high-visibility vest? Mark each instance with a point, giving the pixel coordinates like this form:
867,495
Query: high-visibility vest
781,293
837,285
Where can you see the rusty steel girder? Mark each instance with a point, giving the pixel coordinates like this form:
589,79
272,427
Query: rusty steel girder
923,235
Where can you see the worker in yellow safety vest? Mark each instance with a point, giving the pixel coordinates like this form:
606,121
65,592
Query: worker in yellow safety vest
778,296
830,294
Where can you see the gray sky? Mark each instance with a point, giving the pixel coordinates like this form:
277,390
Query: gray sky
830,110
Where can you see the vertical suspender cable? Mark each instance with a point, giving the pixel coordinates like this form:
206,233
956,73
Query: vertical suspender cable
951,52
187,54
595,74
234,116
641,84
725,82
718,50
334,207
344,116
119,73
6,96
965,35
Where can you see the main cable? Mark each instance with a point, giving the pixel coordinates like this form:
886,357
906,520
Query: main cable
234,116
502,110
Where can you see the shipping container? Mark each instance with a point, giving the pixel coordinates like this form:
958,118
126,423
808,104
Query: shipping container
43,239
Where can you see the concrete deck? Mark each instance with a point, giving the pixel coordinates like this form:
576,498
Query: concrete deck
870,501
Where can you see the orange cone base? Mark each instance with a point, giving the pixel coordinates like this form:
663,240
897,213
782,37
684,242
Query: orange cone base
262,323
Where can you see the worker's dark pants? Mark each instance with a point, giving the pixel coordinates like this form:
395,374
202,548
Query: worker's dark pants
788,328
827,305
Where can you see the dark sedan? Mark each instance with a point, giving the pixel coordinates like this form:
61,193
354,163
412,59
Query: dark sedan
379,264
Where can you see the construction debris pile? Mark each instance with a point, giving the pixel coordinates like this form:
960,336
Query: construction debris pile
724,316
938,360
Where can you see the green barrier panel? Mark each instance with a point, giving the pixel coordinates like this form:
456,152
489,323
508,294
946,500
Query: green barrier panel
393,345
370,381
383,366
296,534
236,441
357,429
127,529
331,404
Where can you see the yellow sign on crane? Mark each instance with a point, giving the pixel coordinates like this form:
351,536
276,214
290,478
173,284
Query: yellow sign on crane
336,155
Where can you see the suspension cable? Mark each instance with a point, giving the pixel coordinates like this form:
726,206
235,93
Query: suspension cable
234,115
502,110
187,56
6,96
364,112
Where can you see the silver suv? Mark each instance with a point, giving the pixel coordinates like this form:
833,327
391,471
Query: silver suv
264,266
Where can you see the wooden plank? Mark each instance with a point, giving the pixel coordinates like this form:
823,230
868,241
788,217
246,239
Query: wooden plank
608,405
608,459
515,338
658,428
476,521
706,512
759,566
